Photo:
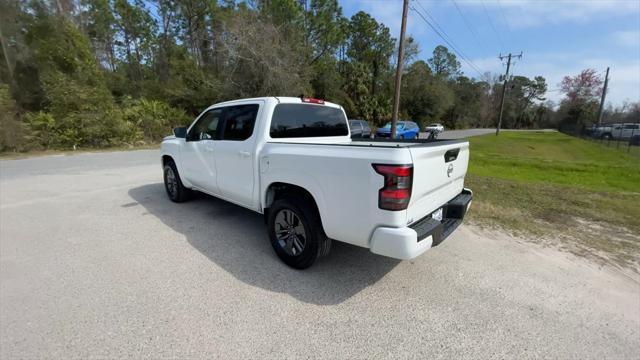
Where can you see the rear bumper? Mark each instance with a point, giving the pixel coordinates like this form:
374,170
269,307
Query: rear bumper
409,242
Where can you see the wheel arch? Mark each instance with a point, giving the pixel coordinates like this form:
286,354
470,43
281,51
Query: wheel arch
277,190
166,159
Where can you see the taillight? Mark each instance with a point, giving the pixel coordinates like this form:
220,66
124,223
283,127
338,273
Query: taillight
396,192
313,101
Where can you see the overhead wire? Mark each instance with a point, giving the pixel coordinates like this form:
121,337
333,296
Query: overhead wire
467,23
445,37
486,13
449,40
504,18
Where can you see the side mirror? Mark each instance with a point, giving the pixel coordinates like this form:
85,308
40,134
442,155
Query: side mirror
180,132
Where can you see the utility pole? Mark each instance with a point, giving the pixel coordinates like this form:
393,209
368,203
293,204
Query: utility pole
396,96
504,85
604,95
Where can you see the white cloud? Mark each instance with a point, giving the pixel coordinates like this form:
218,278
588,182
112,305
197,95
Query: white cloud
624,76
533,13
627,38
625,73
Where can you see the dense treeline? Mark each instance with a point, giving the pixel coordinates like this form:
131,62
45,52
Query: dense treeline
96,73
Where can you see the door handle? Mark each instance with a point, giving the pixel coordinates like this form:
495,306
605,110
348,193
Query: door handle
244,153
208,149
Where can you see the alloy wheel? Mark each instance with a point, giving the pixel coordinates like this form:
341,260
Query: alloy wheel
171,182
290,232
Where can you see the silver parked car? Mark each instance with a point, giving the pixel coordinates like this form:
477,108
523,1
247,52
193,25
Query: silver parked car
359,129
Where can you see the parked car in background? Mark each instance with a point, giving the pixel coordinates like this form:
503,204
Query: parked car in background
437,128
617,131
433,130
600,131
404,130
359,129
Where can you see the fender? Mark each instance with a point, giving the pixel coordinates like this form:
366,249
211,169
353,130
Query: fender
297,178
172,148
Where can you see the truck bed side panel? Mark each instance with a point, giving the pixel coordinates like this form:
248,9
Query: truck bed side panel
341,180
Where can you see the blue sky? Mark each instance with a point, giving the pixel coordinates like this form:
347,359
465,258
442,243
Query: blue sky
557,38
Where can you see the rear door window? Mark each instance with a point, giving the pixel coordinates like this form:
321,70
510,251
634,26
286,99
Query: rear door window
307,120
239,122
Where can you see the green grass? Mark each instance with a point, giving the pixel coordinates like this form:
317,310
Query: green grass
573,193
554,158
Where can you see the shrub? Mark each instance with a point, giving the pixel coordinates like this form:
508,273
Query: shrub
12,132
42,128
154,119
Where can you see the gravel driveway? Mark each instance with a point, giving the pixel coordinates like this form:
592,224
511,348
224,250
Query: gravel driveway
95,261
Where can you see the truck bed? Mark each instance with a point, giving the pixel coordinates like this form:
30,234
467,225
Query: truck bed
341,174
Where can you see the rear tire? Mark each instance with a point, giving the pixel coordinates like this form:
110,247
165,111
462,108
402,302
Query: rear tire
296,232
176,191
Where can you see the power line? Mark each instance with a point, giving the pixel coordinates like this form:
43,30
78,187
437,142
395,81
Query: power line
471,64
444,37
468,24
491,23
434,21
504,18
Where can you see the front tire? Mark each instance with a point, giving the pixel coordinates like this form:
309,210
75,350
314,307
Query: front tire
176,191
296,232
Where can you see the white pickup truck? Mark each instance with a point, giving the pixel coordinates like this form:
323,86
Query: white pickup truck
292,159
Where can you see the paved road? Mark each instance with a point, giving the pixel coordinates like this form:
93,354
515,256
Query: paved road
96,262
460,134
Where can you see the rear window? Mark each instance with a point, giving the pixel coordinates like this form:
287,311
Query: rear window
303,120
399,125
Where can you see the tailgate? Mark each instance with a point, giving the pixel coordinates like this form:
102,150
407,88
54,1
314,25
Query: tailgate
438,176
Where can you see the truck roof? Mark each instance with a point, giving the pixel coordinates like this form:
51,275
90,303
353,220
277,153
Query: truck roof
281,99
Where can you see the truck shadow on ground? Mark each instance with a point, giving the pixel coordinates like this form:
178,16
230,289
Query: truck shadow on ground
235,239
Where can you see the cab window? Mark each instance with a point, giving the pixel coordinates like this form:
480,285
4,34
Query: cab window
239,122
206,128
304,120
